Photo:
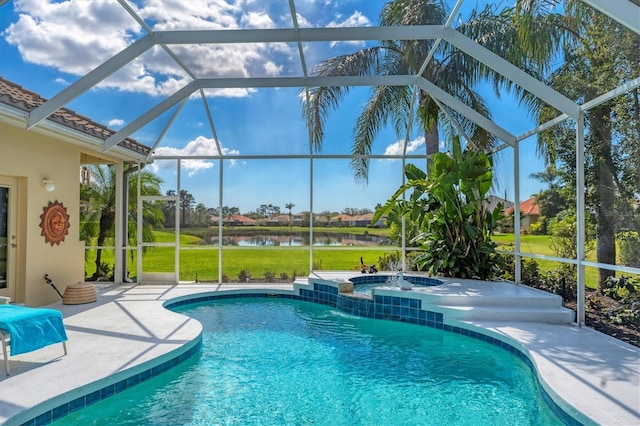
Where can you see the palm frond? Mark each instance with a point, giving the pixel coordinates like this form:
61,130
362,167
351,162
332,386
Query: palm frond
318,102
383,103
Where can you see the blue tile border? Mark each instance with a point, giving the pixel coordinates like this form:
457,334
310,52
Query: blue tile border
393,308
93,397
383,278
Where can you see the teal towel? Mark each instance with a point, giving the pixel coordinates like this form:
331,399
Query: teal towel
31,328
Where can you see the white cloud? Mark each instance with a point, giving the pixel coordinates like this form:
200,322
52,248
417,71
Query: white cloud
271,69
115,123
303,22
256,20
356,19
397,147
75,37
199,147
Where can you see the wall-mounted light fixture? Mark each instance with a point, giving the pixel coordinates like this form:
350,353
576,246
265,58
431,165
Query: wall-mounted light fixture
48,185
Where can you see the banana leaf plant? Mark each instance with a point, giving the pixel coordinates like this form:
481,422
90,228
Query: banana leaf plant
451,208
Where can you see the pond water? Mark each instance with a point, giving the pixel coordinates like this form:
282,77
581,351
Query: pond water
297,240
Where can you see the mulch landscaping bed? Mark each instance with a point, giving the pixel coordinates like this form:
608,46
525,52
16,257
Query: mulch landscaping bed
597,310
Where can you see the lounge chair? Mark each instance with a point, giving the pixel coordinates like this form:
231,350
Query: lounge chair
28,329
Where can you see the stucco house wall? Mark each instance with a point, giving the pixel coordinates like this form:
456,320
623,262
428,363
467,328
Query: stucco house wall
53,149
29,157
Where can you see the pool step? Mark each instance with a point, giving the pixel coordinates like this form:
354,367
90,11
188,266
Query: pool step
301,281
559,315
532,298
472,300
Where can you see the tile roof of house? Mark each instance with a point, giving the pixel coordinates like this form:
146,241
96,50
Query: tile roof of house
240,218
16,96
528,207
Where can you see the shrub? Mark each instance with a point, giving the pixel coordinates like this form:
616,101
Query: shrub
225,277
539,228
529,271
561,281
296,273
625,290
622,288
269,275
244,275
630,249
317,265
390,261
284,276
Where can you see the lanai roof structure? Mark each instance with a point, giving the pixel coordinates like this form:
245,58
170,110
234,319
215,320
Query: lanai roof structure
165,57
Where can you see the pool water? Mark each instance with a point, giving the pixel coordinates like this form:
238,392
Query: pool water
285,362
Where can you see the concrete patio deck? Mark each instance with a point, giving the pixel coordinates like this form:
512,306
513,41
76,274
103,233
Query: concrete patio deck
128,331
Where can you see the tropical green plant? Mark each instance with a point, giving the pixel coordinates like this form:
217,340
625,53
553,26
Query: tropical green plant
99,212
394,223
451,208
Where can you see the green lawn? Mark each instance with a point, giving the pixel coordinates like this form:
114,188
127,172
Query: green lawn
539,244
201,261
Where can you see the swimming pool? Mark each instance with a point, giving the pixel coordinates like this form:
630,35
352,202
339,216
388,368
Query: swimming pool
278,361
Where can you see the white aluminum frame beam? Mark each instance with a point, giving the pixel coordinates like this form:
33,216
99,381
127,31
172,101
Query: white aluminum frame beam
299,35
391,80
513,73
623,11
215,83
89,80
465,110
148,116
290,35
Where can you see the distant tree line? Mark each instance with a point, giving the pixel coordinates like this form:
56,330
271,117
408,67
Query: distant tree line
193,214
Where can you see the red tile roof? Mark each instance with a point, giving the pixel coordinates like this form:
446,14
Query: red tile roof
240,218
528,207
25,100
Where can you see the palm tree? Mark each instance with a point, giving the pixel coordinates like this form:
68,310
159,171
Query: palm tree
602,58
450,69
100,198
289,206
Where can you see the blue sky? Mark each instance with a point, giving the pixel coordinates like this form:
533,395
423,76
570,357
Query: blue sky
45,45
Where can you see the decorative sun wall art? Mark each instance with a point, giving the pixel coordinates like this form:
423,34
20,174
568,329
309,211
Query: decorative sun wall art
54,223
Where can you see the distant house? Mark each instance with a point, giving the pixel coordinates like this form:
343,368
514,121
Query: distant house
529,213
364,220
343,220
278,220
493,201
238,220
